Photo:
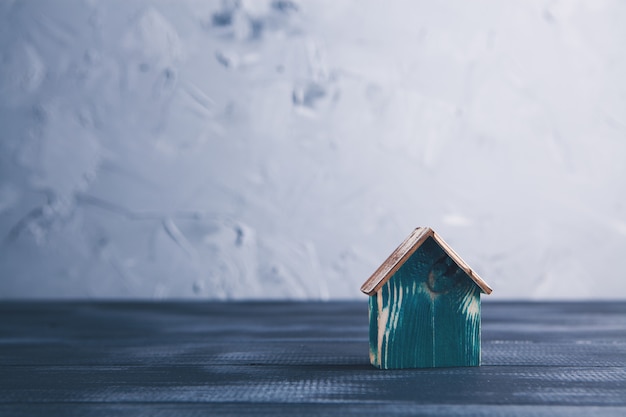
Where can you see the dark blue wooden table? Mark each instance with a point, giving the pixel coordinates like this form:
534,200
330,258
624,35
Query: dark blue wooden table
306,359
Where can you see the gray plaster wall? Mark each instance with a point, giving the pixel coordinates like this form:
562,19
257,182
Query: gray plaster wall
255,149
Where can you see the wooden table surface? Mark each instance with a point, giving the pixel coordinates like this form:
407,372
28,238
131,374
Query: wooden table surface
299,359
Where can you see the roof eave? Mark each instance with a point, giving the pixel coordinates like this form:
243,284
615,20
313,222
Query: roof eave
485,288
396,260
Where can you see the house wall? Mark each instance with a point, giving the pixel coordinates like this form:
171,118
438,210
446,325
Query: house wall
209,149
426,315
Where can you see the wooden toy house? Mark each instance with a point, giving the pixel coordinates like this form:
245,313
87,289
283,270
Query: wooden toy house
424,306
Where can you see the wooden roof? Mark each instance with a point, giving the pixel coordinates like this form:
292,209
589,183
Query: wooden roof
404,252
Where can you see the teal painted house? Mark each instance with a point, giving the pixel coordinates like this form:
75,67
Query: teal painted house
424,306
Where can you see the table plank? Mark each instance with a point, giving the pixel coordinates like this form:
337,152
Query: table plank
306,358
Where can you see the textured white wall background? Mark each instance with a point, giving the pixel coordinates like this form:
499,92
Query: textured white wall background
282,150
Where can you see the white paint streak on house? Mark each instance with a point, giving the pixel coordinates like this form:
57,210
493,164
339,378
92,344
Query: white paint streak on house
471,307
399,306
383,316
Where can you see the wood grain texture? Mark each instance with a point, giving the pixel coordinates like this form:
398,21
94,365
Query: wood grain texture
406,249
426,315
299,359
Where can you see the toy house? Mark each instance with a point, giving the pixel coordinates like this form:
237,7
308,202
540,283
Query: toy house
424,306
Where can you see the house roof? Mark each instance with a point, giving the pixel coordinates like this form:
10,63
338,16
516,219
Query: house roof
404,252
